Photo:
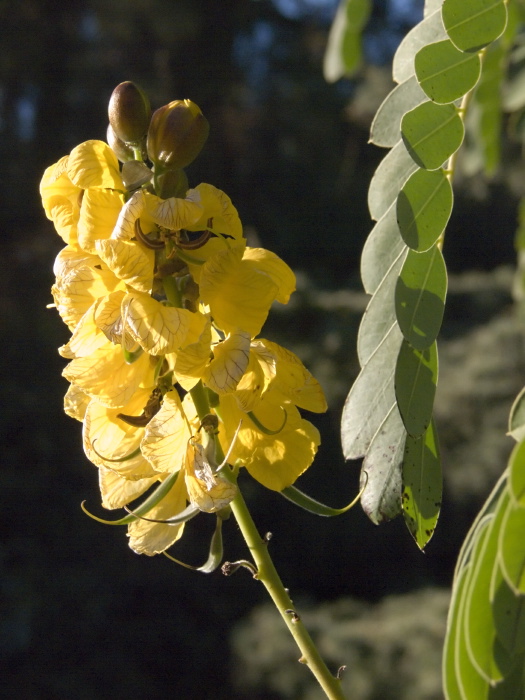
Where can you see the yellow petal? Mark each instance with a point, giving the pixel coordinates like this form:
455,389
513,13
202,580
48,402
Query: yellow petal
266,262
157,328
98,217
208,491
230,360
166,436
107,437
251,386
238,295
176,213
65,217
129,262
93,164
130,212
152,538
56,182
76,403
106,376
117,492
87,336
189,362
107,316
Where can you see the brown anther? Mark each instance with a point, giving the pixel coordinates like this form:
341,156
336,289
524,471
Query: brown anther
147,242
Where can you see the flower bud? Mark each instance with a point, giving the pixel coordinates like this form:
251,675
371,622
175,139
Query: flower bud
129,112
172,183
176,134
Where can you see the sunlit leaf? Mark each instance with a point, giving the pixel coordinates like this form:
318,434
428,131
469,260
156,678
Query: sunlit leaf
508,610
343,52
386,126
452,639
415,385
517,417
422,485
382,247
432,133
429,30
424,206
472,24
381,470
512,547
371,397
393,171
380,314
444,72
517,473
420,297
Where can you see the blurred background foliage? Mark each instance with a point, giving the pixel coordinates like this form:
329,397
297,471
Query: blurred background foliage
81,615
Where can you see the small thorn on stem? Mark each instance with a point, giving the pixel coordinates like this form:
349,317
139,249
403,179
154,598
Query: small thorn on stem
340,672
267,537
230,567
295,617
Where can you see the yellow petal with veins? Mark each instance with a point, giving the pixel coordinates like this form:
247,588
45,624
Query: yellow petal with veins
152,538
157,328
230,360
93,164
208,491
76,403
129,262
176,213
65,217
107,437
98,216
266,262
86,338
106,376
189,362
117,492
166,436
56,182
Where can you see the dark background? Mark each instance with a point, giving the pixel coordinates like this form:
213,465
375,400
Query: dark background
80,614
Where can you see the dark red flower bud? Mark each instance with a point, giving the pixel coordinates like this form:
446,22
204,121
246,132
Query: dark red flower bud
129,112
176,134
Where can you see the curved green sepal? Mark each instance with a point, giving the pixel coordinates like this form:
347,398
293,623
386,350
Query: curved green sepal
119,459
472,24
215,555
432,133
187,514
144,507
131,357
263,428
445,73
308,503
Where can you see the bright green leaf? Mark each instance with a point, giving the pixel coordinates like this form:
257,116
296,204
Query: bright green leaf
452,639
473,24
391,174
517,416
508,610
445,73
382,247
380,314
420,297
517,473
343,52
386,126
512,547
422,485
381,470
424,206
371,397
429,30
432,133
415,386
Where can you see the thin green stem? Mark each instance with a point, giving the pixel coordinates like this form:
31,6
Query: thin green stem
172,292
267,574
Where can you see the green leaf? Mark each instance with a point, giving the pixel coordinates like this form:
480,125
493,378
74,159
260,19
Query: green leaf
473,24
517,473
392,172
343,52
386,126
422,485
508,610
371,397
517,417
432,133
445,73
424,206
415,386
381,470
429,30
512,547
487,105
487,654
450,651
382,247
420,297
380,314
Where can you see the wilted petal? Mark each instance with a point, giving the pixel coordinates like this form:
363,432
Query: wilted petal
208,491
106,376
117,491
76,403
98,216
230,360
166,436
152,538
129,262
157,328
107,437
93,164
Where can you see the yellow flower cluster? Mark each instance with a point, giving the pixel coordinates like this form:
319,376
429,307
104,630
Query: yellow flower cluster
165,301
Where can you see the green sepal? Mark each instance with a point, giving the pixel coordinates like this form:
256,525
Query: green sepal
144,507
308,503
263,428
131,357
215,555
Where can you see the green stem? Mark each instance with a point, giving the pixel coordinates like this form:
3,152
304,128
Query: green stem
172,292
267,574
